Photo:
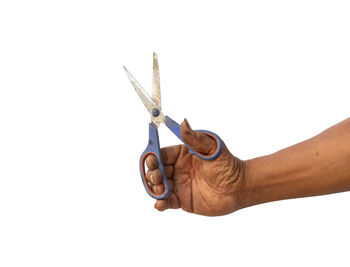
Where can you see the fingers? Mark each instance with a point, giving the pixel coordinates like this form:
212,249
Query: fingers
200,142
158,189
155,177
151,162
172,202
170,154
169,157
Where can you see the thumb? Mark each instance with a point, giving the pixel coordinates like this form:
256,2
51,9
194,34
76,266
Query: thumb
198,141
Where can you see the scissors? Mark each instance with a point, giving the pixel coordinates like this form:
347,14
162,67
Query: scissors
153,105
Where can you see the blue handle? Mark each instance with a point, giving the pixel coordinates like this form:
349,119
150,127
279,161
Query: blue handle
153,148
175,128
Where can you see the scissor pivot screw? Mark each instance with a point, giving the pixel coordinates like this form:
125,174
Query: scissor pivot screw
155,112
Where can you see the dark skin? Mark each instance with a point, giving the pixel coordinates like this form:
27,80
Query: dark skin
320,165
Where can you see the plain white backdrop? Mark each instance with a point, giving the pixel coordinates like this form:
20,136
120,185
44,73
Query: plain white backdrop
262,74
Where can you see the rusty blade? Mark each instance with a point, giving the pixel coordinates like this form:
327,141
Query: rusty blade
156,82
146,99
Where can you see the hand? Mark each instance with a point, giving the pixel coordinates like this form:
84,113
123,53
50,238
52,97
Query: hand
198,186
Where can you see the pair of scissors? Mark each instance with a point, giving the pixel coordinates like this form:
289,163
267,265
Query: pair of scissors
153,105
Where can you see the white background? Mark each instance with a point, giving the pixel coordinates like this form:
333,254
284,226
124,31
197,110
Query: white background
262,74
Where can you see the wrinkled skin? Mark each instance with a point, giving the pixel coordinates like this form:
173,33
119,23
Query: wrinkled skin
198,186
314,167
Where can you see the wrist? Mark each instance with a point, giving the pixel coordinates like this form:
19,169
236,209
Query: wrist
238,181
260,182
249,186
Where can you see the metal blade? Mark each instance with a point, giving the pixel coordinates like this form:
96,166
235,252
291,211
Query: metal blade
146,100
156,81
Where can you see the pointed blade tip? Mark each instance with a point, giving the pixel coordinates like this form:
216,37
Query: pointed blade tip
126,70
155,55
131,78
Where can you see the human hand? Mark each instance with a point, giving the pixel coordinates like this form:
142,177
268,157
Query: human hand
211,188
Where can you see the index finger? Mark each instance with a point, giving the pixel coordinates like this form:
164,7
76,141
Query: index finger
169,157
170,154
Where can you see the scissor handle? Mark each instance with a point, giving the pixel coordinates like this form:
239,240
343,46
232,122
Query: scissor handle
154,149
175,128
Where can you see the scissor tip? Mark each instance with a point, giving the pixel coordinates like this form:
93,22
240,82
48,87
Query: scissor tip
126,70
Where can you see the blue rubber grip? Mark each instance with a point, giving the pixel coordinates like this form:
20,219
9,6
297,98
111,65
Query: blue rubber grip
153,148
175,128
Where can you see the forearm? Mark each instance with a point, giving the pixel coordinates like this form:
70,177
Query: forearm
320,165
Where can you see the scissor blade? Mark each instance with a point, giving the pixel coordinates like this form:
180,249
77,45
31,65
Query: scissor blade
156,81
145,98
